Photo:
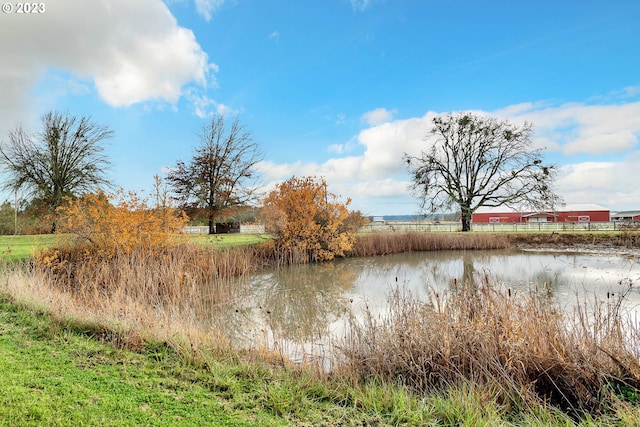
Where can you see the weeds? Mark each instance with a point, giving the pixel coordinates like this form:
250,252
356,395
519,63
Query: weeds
384,243
513,351
519,345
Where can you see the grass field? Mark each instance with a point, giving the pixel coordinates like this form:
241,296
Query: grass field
56,376
20,247
228,240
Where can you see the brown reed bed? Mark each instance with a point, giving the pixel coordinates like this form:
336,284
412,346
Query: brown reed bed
391,243
177,294
518,345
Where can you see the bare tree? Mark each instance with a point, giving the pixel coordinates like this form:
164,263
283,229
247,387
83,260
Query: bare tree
481,161
62,160
222,173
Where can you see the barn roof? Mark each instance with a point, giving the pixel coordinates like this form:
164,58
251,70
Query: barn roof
626,213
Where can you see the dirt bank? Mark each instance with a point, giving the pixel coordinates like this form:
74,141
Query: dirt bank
625,243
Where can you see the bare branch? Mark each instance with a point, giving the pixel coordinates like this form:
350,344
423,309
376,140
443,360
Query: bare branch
221,174
481,161
64,159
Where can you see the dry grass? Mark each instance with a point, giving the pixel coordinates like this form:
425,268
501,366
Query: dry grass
519,345
177,294
627,239
391,243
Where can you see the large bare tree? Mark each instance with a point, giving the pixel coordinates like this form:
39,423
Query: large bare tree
481,161
222,173
64,159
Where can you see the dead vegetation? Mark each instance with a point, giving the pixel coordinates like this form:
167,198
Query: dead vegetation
517,344
391,243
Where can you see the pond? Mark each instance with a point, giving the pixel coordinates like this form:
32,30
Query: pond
299,310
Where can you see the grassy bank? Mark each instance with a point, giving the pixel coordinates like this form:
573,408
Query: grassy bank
373,244
59,373
479,356
607,239
56,373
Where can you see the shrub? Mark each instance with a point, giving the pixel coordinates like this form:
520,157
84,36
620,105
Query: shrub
103,227
308,222
120,223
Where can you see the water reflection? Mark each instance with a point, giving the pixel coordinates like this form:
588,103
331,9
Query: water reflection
298,303
307,305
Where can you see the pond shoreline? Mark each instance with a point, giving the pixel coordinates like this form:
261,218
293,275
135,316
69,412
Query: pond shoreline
583,249
624,244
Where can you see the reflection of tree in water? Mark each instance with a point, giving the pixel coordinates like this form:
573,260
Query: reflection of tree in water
440,269
300,302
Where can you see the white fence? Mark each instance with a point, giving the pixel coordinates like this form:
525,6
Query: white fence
244,229
422,226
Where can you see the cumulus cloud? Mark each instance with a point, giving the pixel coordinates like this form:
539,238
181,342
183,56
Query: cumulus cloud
379,173
377,116
378,177
605,183
582,129
131,51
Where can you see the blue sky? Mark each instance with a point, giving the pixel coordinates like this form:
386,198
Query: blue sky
340,89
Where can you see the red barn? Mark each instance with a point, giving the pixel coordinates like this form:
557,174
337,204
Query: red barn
567,213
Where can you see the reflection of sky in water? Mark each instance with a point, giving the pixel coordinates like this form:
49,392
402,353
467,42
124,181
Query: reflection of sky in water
564,273
303,307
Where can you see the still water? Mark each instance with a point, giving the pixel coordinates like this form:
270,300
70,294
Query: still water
299,310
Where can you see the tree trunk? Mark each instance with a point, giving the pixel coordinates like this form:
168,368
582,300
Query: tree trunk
212,225
465,214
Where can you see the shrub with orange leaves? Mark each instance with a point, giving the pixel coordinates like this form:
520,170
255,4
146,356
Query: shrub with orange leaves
121,223
309,223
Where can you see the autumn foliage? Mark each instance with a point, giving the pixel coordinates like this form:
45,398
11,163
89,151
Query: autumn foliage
308,222
120,223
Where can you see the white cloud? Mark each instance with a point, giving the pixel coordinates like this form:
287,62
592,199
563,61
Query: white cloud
604,183
206,8
377,116
386,144
378,181
343,148
132,52
203,106
274,36
602,143
379,173
578,128
360,5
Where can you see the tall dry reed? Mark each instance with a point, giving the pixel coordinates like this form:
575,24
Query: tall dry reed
178,294
391,243
518,344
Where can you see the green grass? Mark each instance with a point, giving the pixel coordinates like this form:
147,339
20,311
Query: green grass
20,247
228,240
55,374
